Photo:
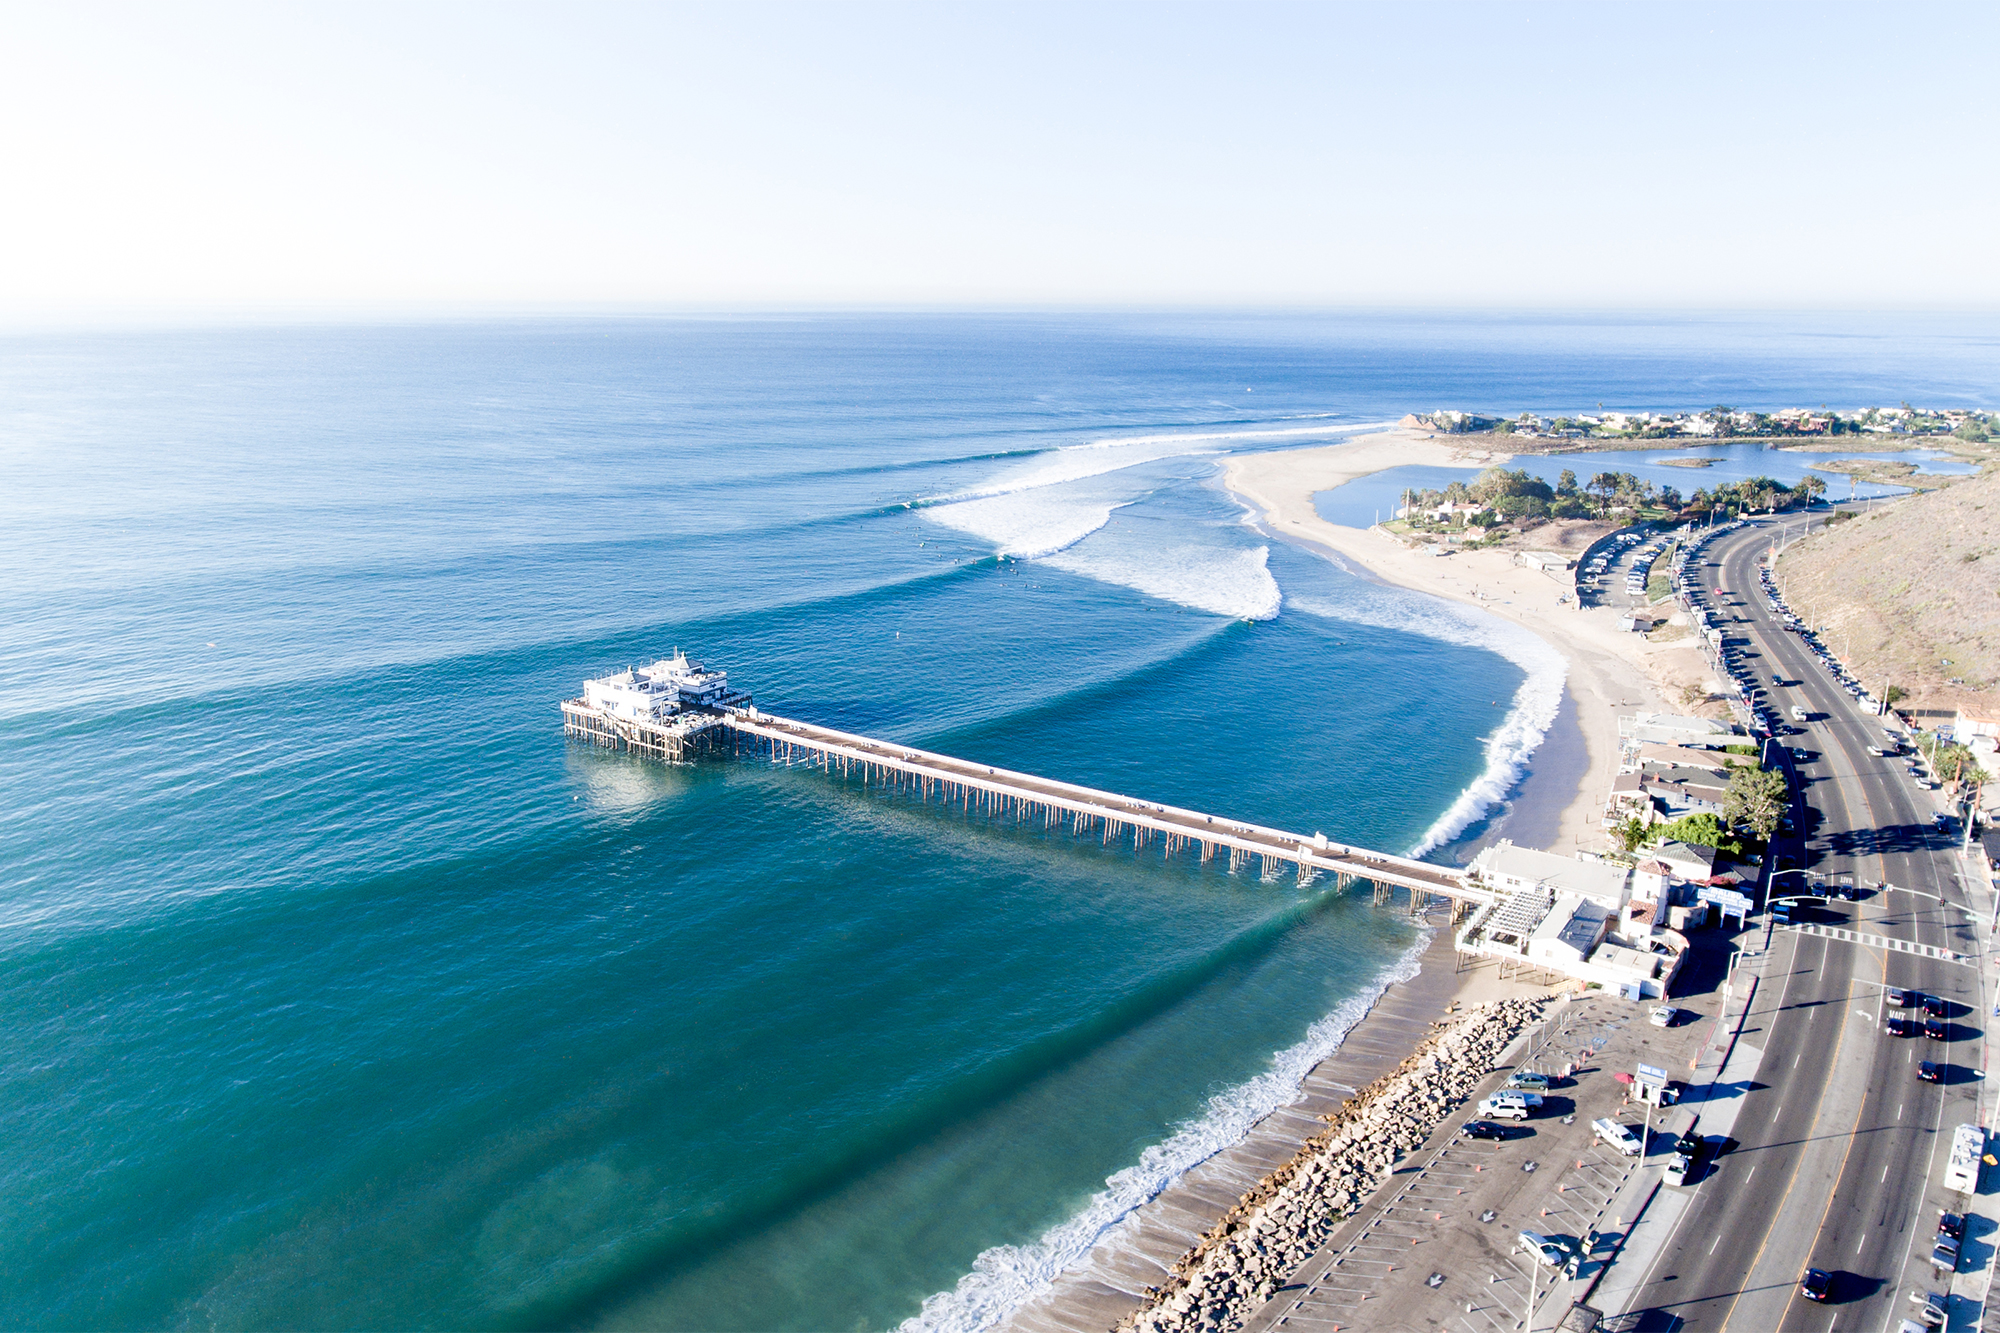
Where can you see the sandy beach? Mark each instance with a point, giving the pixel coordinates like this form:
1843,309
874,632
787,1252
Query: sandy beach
1611,671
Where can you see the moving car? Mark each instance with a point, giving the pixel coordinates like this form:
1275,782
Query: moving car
1928,1072
1897,999
1935,1029
1816,1284
1898,1026
1934,1005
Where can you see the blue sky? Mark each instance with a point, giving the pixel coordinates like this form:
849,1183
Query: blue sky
489,156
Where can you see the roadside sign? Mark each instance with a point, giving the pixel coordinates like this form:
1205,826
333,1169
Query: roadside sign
1652,1074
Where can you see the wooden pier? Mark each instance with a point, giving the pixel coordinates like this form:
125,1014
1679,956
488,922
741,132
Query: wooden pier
1089,812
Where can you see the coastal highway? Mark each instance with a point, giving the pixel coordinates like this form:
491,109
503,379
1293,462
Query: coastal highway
1840,1148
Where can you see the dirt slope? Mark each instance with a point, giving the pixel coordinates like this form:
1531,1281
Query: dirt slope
1906,587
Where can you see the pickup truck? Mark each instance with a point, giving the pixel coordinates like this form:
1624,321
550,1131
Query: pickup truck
1618,1136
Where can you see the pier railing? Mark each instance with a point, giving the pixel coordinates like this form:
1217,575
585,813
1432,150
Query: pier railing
987,787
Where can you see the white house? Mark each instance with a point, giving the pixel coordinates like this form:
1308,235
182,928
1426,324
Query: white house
1509,869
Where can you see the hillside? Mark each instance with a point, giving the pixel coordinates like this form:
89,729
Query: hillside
1906,588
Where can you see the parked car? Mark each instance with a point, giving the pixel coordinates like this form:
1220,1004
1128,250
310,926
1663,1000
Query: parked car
1952,1224
1545,1250
1527,1080
1480,1129
1622,1137
1664,1016
1944,1254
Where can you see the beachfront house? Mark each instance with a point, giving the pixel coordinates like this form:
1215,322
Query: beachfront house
1572,918
1683,791
1687,861
1508,869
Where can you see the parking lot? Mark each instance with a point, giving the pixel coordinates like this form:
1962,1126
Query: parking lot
1439,1246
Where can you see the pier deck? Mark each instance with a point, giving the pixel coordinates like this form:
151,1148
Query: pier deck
967,781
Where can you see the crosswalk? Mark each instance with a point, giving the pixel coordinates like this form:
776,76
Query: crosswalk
1884,942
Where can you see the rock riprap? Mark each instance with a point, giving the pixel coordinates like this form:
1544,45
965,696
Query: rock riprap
1276,1227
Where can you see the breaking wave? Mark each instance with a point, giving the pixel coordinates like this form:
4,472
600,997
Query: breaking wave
1510,745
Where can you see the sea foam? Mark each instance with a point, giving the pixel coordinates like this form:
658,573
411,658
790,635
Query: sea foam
1006,1277
1222,581
1046,507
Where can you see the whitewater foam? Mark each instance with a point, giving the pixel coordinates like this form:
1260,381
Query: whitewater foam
1532,711
1006,1277
1028,524
1222,581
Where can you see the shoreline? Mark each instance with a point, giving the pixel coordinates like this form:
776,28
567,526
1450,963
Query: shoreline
1609,670
1556,803
1149,1247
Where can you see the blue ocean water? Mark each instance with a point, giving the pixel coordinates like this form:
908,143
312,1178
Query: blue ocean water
341,991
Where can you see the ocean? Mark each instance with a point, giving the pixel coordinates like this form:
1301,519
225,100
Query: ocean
342,991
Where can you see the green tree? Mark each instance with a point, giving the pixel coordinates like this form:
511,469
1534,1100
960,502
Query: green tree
1755,800
1630,834
1700,831
1566,483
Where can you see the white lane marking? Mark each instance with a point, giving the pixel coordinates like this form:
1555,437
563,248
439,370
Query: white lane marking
1753,1171
1885,1172
1899,1110
1859,1243
1795,1059
1717,1241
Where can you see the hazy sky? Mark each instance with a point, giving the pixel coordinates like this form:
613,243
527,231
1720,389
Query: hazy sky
174,157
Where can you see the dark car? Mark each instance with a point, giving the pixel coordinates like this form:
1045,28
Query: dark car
1482,1129
1928,1072
1816,1285
1952,1224
1935,1029
1935,1006
1898,1026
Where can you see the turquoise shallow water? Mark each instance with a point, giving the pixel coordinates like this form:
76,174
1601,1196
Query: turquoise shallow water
340,991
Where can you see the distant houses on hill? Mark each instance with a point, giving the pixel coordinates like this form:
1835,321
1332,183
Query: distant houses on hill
1715,423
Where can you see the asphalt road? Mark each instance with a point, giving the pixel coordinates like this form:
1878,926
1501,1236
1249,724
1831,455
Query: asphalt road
1841,1149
